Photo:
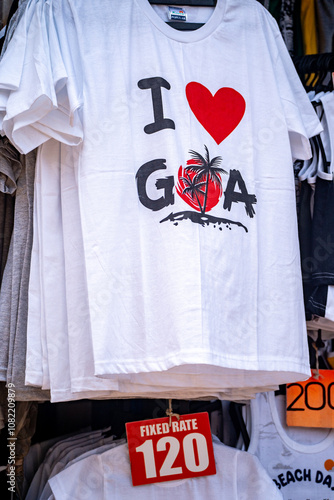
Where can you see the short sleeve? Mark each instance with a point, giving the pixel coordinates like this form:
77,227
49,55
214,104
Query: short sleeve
40,83
258,485
301,119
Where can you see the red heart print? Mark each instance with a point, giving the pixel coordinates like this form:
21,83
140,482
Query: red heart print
219,114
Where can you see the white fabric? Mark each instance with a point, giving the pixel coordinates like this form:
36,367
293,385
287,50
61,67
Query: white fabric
42,474
70,447
239,477
297,459
75,452
82,456
41,103
36,455
193,301
327,101
154,296
75,378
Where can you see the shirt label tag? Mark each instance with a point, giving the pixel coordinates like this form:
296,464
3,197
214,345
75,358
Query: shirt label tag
161,453
311,403
177,14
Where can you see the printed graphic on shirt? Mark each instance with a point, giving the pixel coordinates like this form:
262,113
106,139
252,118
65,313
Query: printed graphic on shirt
200,182
219,114
297,476
200,186
329,464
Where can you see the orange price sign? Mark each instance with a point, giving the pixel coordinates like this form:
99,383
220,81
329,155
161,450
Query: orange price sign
311,403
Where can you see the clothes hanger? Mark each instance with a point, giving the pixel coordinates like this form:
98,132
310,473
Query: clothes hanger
185,26
235,411
315,71
325,164
309,169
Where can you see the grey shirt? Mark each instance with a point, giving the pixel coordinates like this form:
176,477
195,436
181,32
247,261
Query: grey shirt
14,287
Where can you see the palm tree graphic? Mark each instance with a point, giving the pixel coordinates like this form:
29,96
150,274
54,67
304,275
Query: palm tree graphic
193,187
206,171
200,186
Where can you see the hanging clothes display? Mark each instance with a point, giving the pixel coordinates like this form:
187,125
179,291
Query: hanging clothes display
16,185
316,183
153,248
14,287
299,460
62,453
108,474
175,176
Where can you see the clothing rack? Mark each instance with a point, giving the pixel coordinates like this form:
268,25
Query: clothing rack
315,71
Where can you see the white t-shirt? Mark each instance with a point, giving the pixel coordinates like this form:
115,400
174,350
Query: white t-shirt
67,339
299,460
239,477
179,293
182,268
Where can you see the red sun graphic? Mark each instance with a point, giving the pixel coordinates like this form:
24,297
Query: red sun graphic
200,183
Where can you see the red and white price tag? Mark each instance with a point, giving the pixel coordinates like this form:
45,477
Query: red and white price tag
161,453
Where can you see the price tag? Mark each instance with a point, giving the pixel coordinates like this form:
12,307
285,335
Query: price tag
311,403
161,453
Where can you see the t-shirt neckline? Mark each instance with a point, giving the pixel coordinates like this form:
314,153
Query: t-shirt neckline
184,36
304,448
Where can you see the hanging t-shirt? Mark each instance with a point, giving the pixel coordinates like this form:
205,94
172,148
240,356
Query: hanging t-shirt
16,183
185,179
299,460
69,337
239,476
10,168
19,263
322,230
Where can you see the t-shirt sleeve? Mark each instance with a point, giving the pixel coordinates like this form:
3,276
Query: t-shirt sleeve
40,79
301,119
253,482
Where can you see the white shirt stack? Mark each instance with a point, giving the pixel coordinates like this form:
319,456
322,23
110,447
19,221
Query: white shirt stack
165,258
